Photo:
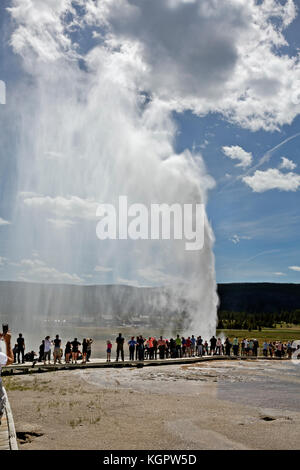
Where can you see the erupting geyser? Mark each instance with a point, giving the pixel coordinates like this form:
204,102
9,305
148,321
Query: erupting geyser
90,129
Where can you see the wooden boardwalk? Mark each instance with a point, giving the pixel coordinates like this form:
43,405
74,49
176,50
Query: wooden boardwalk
8,439
4,433
28,368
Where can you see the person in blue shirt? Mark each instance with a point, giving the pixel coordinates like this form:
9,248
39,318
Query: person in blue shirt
131,344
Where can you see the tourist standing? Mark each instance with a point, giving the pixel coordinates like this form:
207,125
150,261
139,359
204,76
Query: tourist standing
47,349
131,343
218,346
120,347
188,346
172,347
155,348
199,346
57,349
178,346
161,347
89,349
15,352
243,347
265,348
193,345
84,350
213,343
140,346
68,351
255,347
150,348
41,351
21,348
75,350
108,350
227,347
235,346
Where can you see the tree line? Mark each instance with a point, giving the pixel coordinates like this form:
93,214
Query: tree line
255,321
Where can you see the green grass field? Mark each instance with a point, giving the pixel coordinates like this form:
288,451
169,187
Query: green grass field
269,334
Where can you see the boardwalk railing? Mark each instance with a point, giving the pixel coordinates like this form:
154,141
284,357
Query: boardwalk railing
8,438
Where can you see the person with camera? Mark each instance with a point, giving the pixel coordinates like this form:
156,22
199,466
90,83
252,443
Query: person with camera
5,359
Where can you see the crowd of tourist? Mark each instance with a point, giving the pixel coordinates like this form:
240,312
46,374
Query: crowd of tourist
140,348
72,351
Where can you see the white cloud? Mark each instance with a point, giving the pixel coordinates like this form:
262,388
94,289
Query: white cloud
210,56
103,269
294,268
278,273
64,207
238,153
41,29
203,55
128,282
237,238
287,164
4,222
272,179
158,276
37,270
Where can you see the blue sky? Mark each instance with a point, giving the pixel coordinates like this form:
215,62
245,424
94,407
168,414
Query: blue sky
268,221
232,81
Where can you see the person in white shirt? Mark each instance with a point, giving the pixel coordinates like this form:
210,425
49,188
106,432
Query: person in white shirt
47,349
5,359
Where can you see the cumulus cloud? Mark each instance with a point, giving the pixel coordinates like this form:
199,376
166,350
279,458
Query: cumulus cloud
200,55
287,164
272,179
238,153
295,268
128,282
36,269
72,207
156,275
4,222
210,56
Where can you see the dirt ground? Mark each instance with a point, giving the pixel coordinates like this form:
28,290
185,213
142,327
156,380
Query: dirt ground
111,409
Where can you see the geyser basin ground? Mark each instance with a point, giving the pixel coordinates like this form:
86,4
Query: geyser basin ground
221,405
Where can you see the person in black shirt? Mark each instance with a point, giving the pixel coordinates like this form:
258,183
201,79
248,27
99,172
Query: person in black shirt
15,352
120,347
41,351
75,350
68,352
21,348
57,350
213,343
140,345
84,350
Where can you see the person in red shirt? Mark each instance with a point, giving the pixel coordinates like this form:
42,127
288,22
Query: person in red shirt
161,343
188,346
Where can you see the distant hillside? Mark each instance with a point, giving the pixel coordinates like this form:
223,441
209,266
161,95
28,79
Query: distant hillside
22,300
259,297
